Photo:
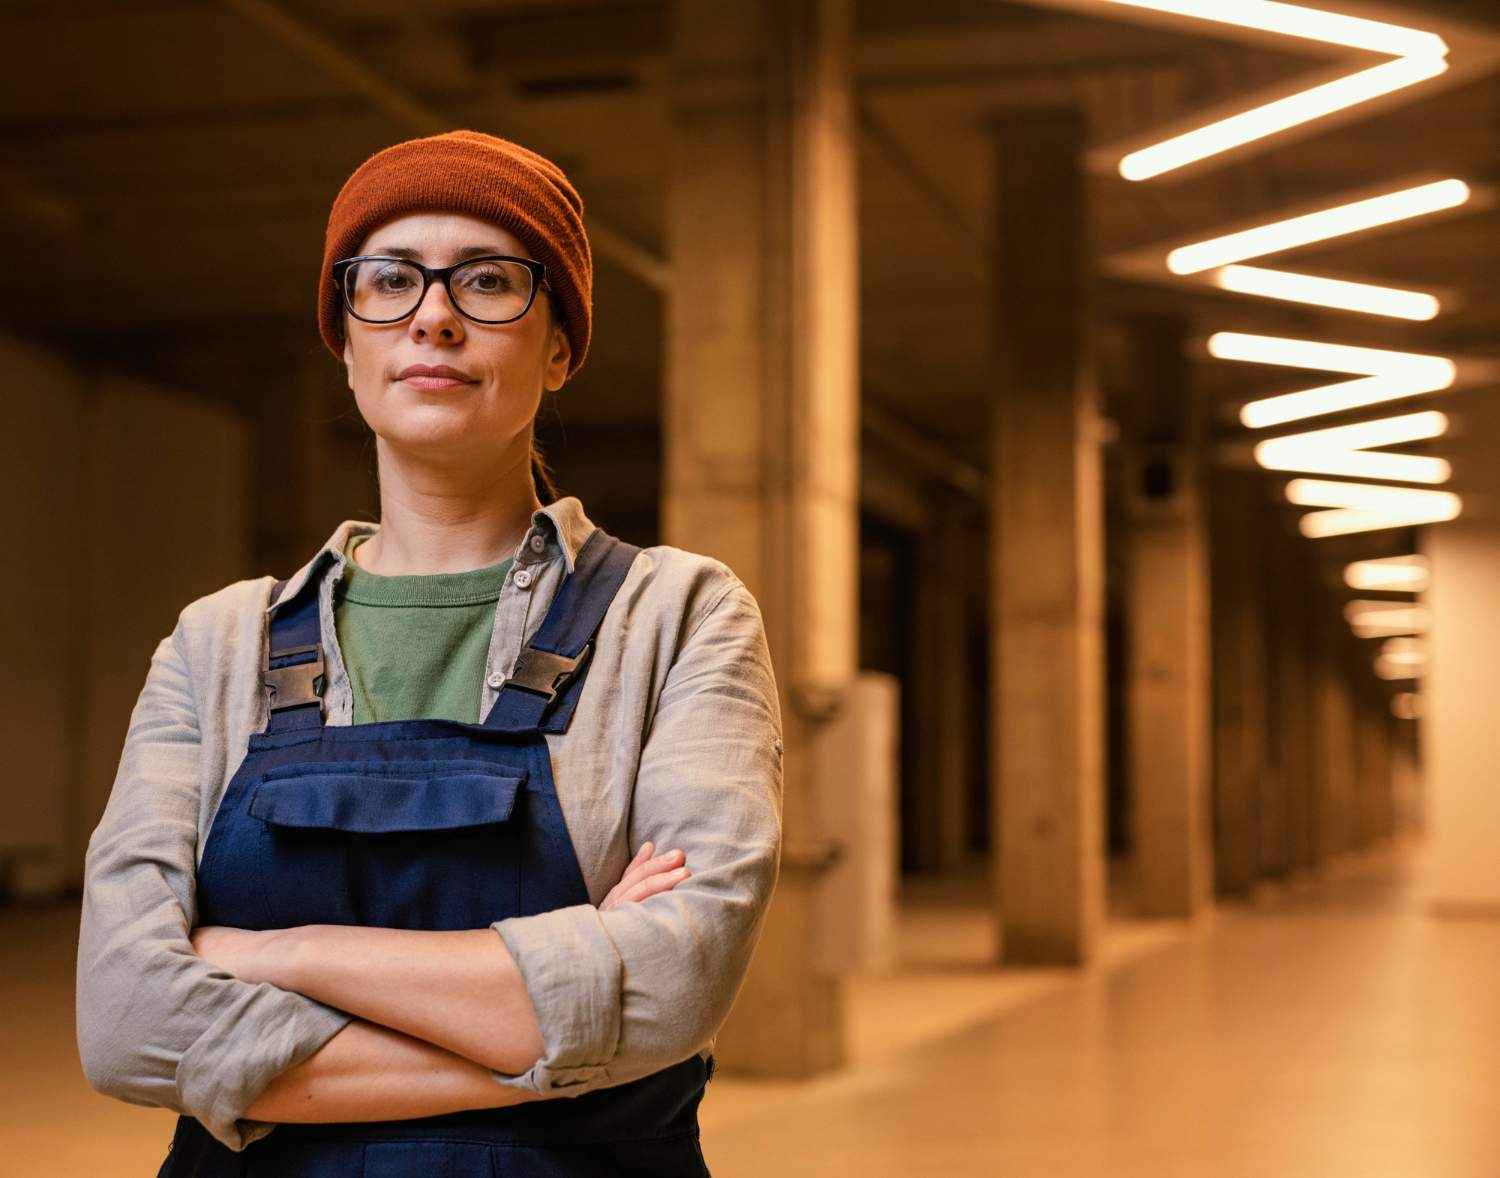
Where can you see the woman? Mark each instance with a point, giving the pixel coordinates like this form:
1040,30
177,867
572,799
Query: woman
363,899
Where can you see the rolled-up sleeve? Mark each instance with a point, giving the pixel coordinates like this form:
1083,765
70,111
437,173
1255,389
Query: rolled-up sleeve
622,993
158,1025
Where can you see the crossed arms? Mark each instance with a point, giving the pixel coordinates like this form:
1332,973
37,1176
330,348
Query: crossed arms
435,1011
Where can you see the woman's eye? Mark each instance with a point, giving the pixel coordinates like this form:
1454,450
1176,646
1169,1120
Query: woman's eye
488,281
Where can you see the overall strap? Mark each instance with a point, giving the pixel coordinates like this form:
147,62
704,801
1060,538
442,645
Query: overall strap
293,671
542,692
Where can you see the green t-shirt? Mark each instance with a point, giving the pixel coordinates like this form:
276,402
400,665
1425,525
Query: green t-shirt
415,646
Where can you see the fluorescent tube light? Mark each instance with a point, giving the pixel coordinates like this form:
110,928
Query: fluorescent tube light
1320,226
1273,117
1382,619
1295,20
1344,450
1387,375
1362,507
1327,292
1392,574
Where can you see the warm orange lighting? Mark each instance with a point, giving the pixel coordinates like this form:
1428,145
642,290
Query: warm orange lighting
1387,375
1401,658
1385,619
1363,507
1297,20
1399,667
1344,450
1320,226
1302,107
1392,574
1336,293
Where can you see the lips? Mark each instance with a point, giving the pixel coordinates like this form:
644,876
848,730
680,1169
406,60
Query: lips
441,371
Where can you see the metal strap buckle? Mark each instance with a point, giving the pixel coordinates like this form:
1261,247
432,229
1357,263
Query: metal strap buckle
545,672
296,683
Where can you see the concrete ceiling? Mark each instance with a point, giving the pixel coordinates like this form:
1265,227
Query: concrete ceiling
169,165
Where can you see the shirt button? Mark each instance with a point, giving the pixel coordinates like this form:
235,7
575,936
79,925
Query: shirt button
523,577
538,543
495,680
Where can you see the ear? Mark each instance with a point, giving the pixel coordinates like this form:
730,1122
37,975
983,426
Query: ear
348,353
559,359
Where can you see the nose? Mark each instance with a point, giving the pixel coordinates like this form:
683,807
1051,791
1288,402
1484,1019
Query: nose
436,315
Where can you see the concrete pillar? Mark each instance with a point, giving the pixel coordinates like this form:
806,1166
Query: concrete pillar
1046,552
47,520
1239,677
941,688
1407,795
1333,727
1373,805
760,422
1289,748
861,755
1460,740
1166,630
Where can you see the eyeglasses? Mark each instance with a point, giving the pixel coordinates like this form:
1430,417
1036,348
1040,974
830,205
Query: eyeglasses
495,288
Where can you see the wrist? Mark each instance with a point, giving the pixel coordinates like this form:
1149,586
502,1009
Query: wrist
280,955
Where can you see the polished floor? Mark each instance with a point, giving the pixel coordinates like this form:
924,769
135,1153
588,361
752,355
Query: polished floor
1330,1029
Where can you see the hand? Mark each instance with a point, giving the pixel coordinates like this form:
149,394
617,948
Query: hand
646,876
239,951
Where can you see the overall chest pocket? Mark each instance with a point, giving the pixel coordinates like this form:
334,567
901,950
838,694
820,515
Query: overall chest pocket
417,845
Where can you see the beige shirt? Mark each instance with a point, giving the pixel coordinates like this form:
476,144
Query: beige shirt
676,739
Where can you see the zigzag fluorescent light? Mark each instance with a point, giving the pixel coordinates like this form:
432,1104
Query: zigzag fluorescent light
1417,56
1388,375
1295,20
1338,221
1390,574
1401,658
1384,619
1345,450
1364,507
1327,292
1302,107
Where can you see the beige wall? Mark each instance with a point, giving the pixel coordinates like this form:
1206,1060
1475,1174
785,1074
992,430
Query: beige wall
122,501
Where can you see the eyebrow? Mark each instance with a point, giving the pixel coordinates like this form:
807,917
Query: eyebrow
468,251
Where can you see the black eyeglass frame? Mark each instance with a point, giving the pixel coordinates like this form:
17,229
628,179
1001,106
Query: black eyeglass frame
445,274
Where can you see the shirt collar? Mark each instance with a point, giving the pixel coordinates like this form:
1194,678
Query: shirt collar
563,521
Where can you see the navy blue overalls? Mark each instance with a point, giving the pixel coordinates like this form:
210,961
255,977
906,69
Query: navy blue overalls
428,824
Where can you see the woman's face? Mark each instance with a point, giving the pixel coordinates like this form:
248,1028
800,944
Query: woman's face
506,366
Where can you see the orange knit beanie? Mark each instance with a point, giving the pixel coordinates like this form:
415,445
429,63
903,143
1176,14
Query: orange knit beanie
484,176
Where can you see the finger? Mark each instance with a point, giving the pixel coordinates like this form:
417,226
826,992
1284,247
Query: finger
638,871
642,856
661,882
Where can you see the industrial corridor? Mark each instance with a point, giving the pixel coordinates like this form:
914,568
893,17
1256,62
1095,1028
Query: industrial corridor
1021,553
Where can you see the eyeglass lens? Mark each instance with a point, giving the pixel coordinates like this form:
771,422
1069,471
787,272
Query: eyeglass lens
388,290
